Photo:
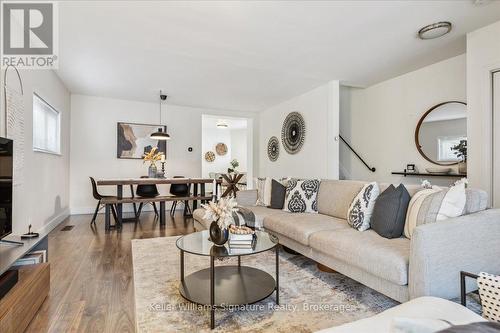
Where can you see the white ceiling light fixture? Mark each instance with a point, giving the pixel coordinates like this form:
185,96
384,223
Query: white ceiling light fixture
222,124
435,30
160,135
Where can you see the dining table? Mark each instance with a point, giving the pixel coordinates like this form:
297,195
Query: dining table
198,194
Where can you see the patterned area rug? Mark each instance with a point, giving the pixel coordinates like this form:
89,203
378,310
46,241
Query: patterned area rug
310,299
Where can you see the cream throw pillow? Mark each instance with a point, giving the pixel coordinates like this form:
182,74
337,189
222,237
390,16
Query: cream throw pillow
433,205
263,186
414,208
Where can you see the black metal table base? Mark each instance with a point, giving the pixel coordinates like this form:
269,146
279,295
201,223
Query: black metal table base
236,285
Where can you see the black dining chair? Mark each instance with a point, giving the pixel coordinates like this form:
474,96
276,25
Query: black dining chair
99,198
180,190
147,191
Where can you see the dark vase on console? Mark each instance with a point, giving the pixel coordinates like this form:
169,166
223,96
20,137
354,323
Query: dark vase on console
217,235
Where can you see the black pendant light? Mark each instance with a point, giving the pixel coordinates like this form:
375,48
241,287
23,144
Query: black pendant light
160,135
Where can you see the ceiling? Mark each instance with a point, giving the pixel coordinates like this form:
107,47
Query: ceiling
248,56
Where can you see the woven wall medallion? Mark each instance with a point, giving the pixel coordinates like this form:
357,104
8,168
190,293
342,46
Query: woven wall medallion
293,132
209,156
221,149
273,149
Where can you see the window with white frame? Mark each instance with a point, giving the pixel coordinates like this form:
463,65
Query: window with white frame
445,143
46,127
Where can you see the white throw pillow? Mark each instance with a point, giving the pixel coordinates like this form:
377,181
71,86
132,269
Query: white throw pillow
453,204
301,196
263,186
361,209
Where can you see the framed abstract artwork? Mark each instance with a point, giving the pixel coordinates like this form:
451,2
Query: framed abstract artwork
133,140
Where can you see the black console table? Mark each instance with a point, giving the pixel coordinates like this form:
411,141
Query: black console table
418,174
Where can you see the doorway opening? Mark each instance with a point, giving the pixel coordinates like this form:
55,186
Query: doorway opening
227,146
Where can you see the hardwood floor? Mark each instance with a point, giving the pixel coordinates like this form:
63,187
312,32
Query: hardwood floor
91,274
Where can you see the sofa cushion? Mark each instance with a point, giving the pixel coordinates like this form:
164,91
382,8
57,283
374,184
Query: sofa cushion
301,196
476,200
430,206
379,256
412,189
263,186
361,209
299,226
278,194
262,212
335,196
389,213
246,197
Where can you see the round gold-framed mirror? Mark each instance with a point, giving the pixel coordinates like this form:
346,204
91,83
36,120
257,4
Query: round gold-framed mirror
440,129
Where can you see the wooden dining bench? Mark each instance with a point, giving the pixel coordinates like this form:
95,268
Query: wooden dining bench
162,199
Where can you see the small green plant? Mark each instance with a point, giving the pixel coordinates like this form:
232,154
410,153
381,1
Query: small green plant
460,150
234,165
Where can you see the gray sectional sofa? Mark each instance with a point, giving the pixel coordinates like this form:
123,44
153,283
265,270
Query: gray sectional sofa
428,264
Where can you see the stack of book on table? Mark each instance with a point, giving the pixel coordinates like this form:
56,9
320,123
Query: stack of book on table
241,241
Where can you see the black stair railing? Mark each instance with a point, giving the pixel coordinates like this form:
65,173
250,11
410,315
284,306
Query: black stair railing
372,169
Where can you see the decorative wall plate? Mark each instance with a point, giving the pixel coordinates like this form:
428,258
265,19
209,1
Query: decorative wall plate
209,156
273,149
221,149
293,132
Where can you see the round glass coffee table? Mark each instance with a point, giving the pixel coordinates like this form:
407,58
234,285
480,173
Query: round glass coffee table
221,286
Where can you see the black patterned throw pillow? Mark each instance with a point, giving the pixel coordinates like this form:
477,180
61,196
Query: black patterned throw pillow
301,196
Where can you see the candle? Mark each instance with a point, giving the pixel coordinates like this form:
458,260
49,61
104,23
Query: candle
214,188
162,158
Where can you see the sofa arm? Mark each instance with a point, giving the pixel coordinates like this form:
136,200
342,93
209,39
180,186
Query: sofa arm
246,197
439,251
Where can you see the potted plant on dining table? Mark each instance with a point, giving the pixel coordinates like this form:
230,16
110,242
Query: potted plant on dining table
152,157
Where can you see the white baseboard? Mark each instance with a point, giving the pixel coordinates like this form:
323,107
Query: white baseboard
55,222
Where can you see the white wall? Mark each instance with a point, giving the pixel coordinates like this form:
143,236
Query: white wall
319,154
380,121
483,57
211,137
239,148
42,199
93,142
